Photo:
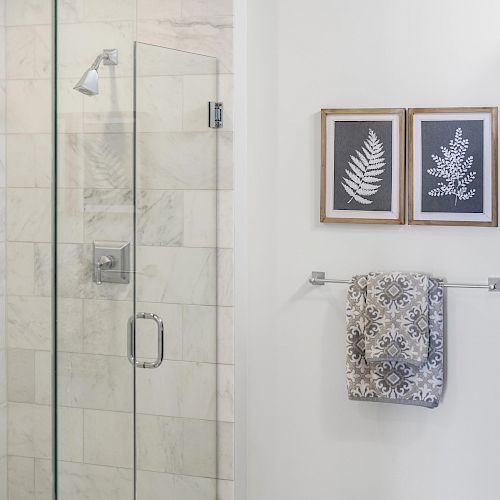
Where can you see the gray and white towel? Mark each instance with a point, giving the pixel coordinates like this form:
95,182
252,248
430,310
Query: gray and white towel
394,381
397,314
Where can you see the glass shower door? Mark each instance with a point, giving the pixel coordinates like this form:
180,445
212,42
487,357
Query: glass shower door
175,264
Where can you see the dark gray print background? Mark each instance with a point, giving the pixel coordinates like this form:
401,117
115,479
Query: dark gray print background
349,138
461,192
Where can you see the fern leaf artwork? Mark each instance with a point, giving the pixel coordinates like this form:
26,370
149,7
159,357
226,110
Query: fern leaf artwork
455,170
362,181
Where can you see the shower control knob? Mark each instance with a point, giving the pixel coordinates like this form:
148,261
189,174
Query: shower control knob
104,262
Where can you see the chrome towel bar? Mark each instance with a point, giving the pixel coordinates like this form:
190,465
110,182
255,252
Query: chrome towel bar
493,285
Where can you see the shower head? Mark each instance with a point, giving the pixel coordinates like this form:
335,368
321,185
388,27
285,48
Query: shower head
89,82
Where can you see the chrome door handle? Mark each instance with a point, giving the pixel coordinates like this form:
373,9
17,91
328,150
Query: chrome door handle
131,340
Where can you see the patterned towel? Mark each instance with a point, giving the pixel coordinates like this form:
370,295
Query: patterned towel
392,381
397,314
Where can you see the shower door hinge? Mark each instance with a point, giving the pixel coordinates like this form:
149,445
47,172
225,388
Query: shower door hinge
215,114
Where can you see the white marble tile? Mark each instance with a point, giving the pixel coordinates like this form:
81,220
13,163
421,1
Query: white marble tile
176,161
200,218
93,482
167,381
29,157
159,443
43,51
3,154
94,381
111,10
160,217
29,214
109,438
43,377
21,478
29,430
171,314
21,375
3,428
3,389
70,11
225,335
158,9
159,104
198,90
29,323
155,60
3,72
112,110
225,219
108,160
20,53
3,478
175,486
200,449
105,326
188,390
197,8
225,393
28,52
71,161
108,215
70,434
22,12
225,490
70,106
199,327
198,396
212,36
20,268
43,479
176,275
225,277
70,215
84,41
29,106
225,450
42,269
2,223
70,325
3,393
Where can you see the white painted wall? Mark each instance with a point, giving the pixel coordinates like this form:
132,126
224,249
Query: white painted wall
305,440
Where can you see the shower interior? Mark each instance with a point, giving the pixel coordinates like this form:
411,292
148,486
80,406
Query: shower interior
124,397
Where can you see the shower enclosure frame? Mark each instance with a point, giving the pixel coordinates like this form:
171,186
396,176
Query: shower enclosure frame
54,274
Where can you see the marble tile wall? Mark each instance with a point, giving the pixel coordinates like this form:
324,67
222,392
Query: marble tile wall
177,208
26,145
3,336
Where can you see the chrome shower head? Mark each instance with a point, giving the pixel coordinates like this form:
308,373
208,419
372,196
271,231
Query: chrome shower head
89,82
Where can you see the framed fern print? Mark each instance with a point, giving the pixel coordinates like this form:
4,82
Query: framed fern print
363,165
453,166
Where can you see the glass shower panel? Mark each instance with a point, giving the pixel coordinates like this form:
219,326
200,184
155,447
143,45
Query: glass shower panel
175,233
95,217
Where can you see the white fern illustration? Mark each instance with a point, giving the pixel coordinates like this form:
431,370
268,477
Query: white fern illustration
361,181
454,169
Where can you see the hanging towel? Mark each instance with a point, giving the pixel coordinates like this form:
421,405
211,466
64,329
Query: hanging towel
397,315
393,381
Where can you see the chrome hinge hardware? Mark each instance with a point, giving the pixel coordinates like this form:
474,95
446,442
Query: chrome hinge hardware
215,114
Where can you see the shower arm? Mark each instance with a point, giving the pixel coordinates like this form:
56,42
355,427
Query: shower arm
109,57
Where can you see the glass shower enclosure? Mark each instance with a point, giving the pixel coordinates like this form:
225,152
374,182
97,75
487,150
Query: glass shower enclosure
136,280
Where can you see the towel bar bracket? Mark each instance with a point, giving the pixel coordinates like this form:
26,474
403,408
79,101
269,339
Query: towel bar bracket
494,284
318,278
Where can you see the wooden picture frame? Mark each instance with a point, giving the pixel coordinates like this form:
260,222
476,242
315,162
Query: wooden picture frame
354,144
453,166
